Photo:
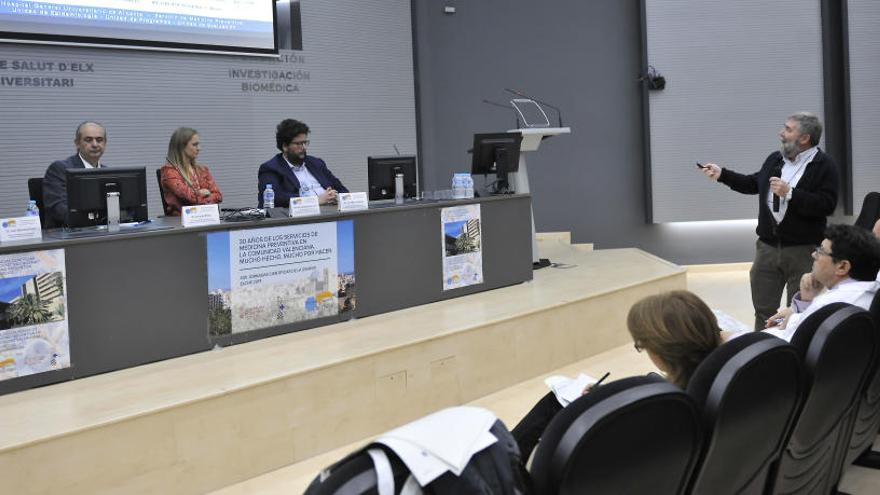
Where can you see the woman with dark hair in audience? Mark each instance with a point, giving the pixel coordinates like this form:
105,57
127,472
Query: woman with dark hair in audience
184,182
676,329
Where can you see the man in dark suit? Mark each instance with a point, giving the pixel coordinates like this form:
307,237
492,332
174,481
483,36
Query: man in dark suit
90,141
292,172
797,190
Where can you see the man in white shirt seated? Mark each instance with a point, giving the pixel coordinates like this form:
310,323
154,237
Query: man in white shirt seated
846,264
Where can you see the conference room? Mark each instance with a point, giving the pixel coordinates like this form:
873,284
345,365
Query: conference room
470,204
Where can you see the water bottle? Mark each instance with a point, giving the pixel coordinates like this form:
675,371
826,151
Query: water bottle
468,186
398,189
32,210
268,197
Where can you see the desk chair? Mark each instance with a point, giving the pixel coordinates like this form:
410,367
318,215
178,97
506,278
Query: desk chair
638,435
837,344
161,191
35,192
750,391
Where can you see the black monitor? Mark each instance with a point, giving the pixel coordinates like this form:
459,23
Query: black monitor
497,154
380,176
87,190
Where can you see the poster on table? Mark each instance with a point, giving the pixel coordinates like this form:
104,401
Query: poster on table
462,246
33,314
261,278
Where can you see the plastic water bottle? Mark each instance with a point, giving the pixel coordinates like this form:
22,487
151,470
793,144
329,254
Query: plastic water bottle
32,210
268,197
468,186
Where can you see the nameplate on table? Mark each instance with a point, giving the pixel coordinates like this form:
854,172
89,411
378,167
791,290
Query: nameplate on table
304,206
199,215
352,201
20,229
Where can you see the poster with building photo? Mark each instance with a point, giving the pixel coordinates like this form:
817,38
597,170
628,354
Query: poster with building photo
261,278
462,246
33,314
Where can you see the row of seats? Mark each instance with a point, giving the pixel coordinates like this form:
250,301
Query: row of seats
759,416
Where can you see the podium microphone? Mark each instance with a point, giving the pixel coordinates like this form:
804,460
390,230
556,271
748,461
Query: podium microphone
496,104
777,172
523,95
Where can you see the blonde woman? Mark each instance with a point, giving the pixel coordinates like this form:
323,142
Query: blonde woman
184,182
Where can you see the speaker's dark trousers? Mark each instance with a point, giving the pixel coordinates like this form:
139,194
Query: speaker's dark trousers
776,267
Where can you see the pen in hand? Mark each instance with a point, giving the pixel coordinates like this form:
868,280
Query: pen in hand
589,388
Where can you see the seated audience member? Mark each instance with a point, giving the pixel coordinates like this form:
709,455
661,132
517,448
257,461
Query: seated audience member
846,264
292,172
677,331
91,141
184,182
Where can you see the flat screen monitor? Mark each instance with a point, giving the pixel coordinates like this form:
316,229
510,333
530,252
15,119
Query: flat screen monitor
496,154
87,190
381,171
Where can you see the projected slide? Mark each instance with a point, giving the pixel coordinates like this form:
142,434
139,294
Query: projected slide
229,25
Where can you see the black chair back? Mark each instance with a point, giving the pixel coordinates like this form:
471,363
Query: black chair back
161,191
837,344
35,192
867,420
870,211
750,391
638,435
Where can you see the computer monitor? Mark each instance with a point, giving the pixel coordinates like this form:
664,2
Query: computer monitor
87,190
381,171
497,154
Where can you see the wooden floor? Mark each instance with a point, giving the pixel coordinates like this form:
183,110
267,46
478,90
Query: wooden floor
210,420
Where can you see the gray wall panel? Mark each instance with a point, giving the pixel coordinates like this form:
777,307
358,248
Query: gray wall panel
864,74
358,99
735,70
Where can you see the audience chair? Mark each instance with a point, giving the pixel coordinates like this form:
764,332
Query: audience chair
750,391
638,435
161,193
837,345
867,423
870,211
357,473
35,192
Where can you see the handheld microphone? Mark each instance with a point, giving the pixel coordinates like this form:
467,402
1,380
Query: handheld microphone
496,104
777,172
523,95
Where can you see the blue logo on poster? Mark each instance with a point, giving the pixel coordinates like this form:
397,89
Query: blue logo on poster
311,304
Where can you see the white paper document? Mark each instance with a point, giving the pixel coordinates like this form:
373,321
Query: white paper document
566,389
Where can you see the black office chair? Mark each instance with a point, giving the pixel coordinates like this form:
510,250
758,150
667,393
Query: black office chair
750,391
870,211
638,435
867,421
35,192
496,469
161,191
837,344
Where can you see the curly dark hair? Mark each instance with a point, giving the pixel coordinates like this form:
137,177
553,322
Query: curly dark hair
287,130
858,246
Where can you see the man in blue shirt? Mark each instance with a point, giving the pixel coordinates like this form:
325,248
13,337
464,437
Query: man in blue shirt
294,173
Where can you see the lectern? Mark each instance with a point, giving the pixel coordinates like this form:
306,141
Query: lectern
532,138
